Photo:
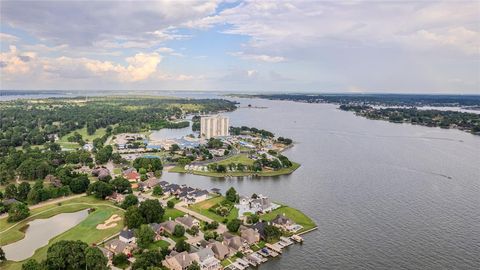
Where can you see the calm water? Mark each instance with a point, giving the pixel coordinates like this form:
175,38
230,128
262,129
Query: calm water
40,231
384,195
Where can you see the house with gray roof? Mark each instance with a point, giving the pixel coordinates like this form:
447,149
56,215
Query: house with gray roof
127,236
187,221
167,226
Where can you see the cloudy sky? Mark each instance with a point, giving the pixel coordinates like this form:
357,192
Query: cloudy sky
314,46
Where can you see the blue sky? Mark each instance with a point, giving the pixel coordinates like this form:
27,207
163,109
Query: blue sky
294,46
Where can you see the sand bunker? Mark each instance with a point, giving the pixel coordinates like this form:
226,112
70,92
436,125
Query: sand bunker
109,223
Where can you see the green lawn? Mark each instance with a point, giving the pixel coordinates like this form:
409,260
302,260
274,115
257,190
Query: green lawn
85,230
172,213
160,244
236,159
294,214
63,141
242,158
202,208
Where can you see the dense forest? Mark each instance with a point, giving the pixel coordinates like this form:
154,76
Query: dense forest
432,118
29,129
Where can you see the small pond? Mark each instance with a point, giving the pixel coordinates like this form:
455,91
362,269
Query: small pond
40,231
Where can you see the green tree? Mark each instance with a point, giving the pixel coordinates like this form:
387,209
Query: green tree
157,191
79,184
2,255
182,246
11,191
17,212
145,236
151,211
179,230
149,259
121,185
272,233
231,195
233,225
66,255
94,259
194,266
23,190
120,259
32,265
130,200
133,217
170,204
100,189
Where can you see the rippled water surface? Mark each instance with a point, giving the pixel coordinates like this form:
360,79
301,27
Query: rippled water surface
384,195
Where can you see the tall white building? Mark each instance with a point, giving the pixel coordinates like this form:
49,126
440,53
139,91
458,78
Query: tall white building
214,126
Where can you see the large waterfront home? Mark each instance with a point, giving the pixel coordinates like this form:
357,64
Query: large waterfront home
254,204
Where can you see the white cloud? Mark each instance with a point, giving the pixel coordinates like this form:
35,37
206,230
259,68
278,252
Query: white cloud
14,62
259,57
7,38
280,26
114,24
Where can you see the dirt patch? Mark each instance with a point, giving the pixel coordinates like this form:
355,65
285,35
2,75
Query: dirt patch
109,223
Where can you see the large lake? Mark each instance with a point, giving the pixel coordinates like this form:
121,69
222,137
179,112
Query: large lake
384,195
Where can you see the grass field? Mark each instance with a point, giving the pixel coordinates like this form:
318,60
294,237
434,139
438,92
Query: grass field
283,171
202,208
241,158
64,143
172,213
160,244
85,230
294,214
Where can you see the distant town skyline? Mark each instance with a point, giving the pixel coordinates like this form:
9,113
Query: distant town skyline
243,46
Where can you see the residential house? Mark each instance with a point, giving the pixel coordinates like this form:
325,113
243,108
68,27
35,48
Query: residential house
254,204
251,236
116,197
54,181
196,196
107,253
167,226
101,172
132,176
234,242
220,250
206,259
149,183
188,222
259,227
127,236
156,228
171,189
283,222
179,261
116,246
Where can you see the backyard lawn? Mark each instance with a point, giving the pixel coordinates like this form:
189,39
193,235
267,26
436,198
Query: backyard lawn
294,214
202,208
172,213
160,244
